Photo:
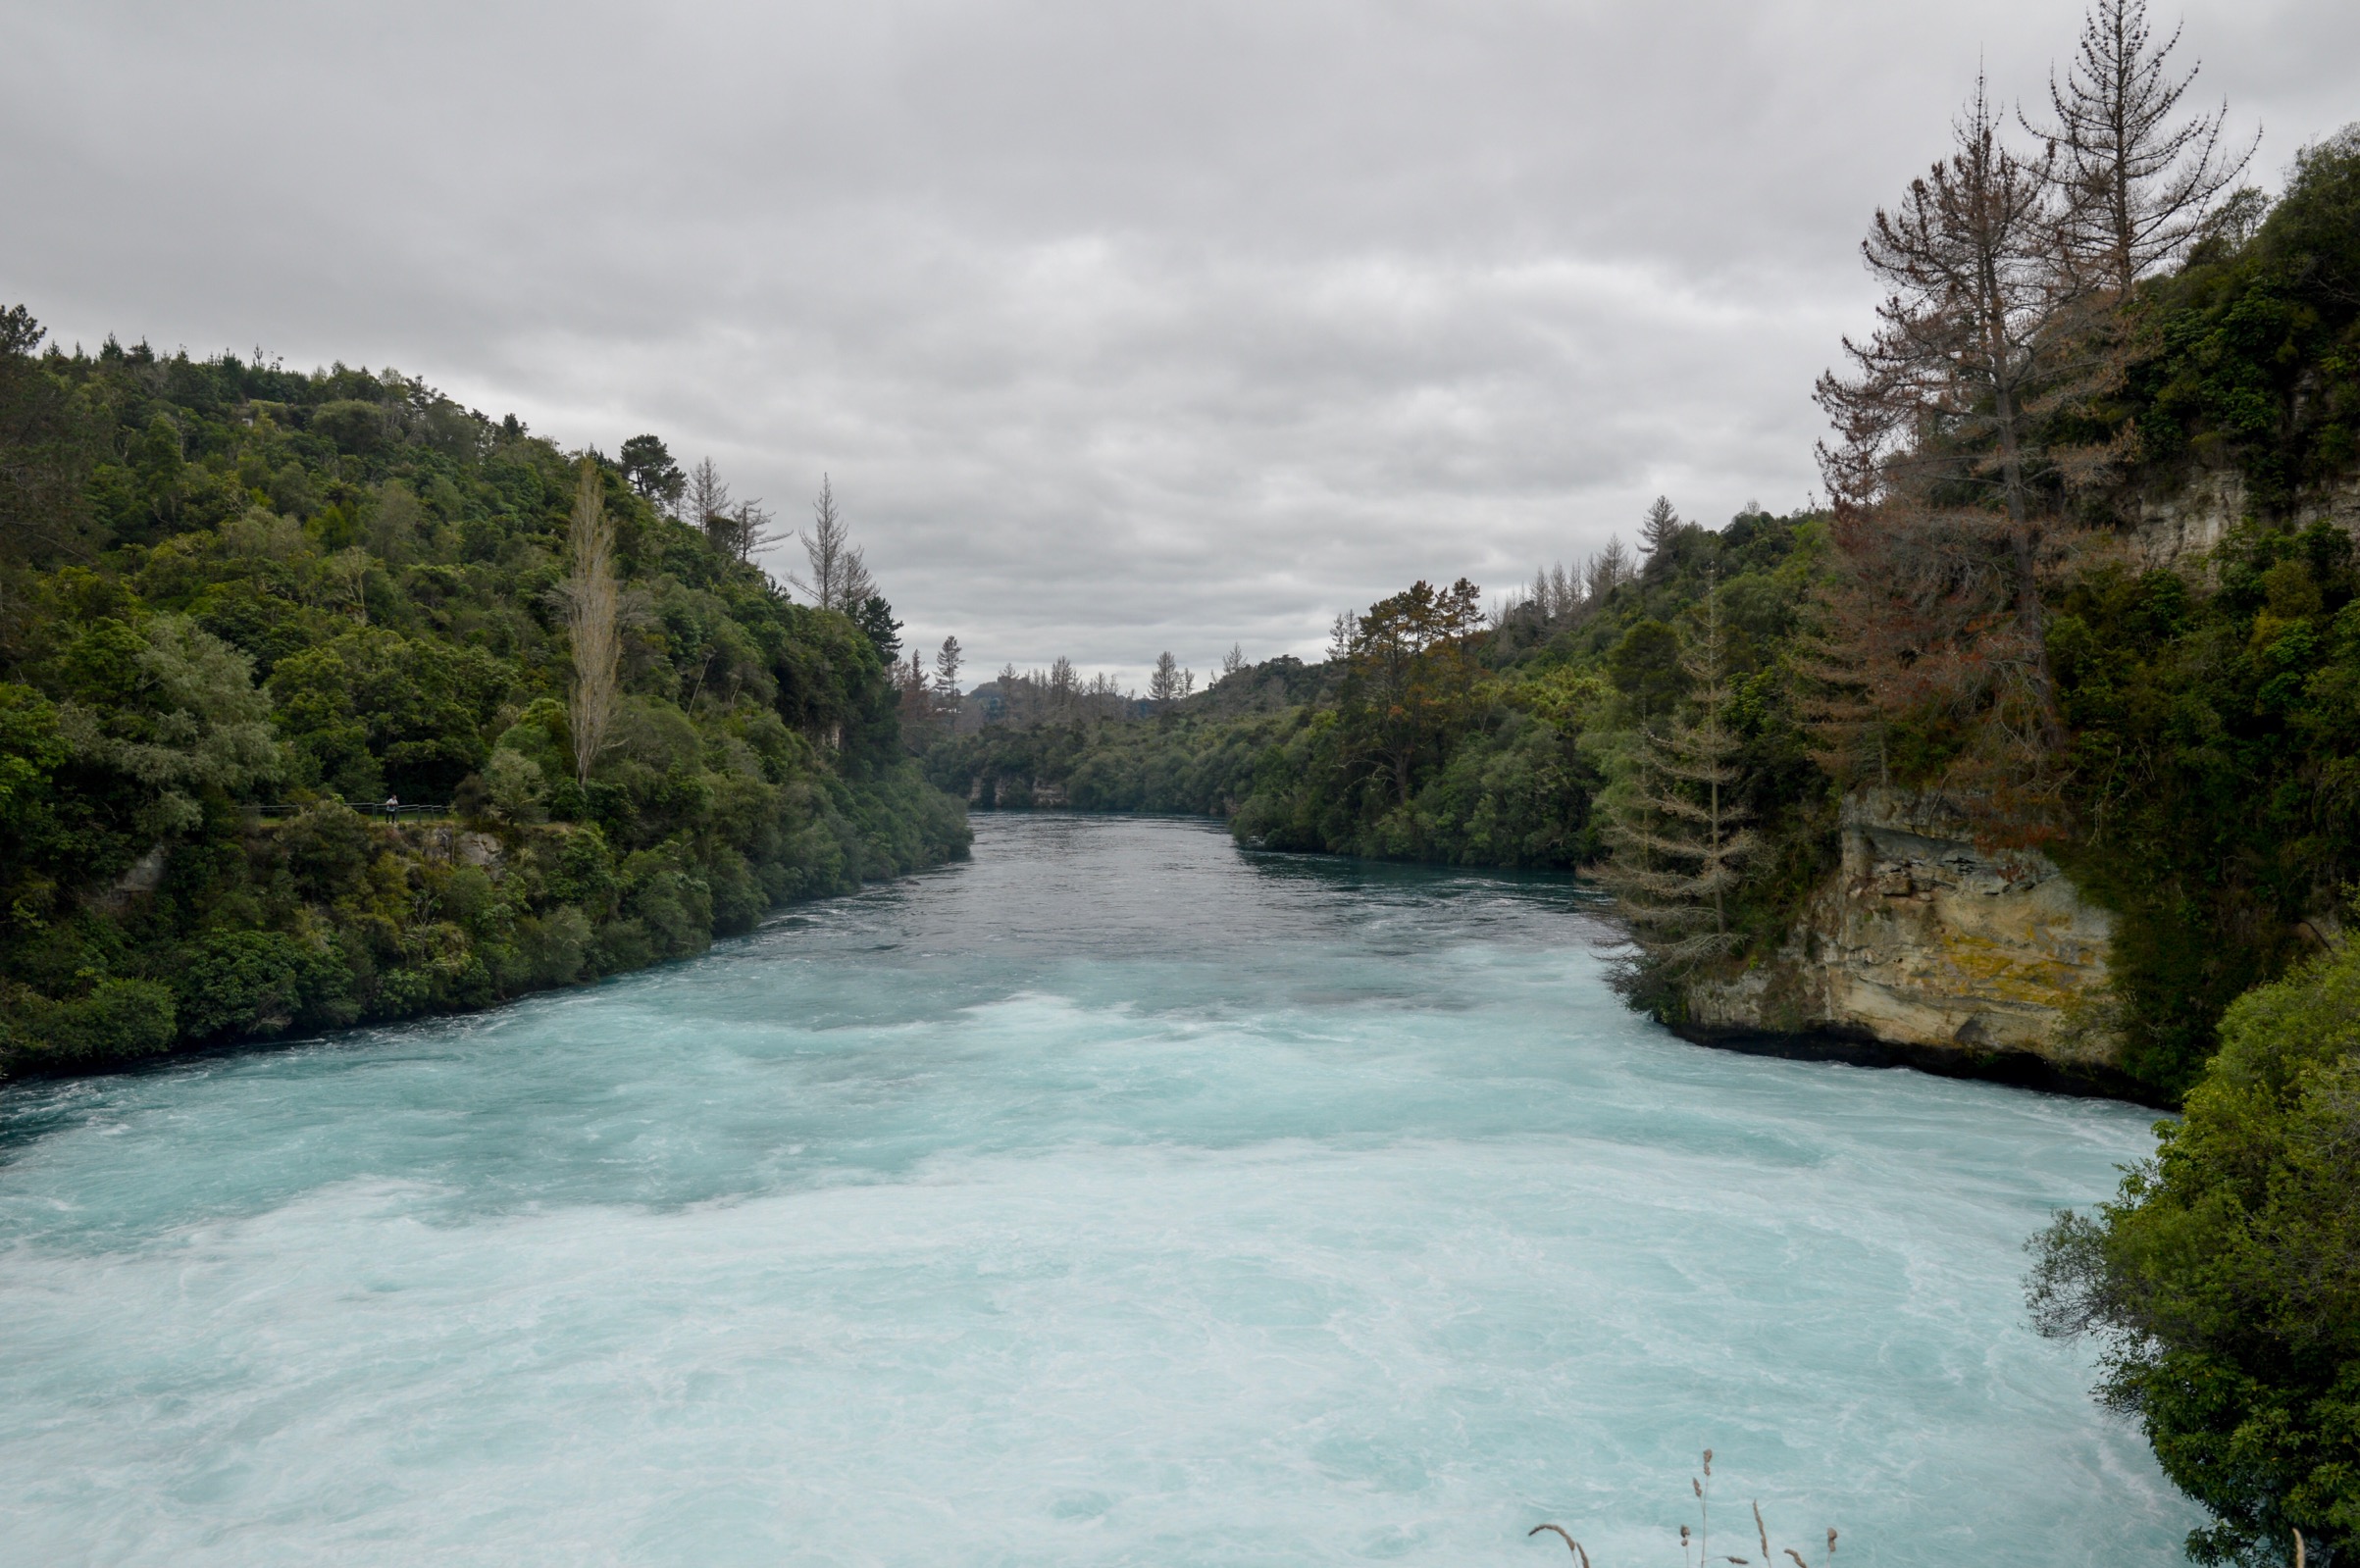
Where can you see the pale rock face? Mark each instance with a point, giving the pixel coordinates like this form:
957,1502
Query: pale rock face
2181,526
1921,939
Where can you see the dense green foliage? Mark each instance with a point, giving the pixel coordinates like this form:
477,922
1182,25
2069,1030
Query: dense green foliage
227,586
2225,1282
2252,350
2216,749
1521,769
1512,764
2215,714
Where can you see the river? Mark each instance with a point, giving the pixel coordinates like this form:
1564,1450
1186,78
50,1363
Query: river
1114,1198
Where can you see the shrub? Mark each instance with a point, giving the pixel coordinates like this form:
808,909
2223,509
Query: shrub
2224,1280
256,983
120,1019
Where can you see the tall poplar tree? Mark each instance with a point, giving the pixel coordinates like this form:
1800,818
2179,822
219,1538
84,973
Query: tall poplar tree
592,599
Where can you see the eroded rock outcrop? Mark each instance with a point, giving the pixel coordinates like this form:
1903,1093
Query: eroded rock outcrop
1925,941
2178,527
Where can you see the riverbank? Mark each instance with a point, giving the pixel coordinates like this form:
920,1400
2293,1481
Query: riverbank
361,922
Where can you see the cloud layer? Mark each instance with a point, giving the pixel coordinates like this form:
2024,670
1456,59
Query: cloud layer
1118,327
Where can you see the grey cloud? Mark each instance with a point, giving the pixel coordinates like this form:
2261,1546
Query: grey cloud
1118,327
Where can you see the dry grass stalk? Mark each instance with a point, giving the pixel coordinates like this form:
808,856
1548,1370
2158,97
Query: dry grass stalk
1574,1546
1760,1531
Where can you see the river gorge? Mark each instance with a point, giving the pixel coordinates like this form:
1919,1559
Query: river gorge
1114,1196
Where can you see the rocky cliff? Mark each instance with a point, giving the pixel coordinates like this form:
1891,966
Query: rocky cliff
1924,947
2178,525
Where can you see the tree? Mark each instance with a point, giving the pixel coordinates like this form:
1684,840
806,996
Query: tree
705,500
648,464
1940,402
1555,593
875,617
1942,526
1163,684
840,577
739,529
2137,189
372,710
1607,571
1233,661
1412,675
1678,830
947,660
2223,1284
592,601
170,712
1657,527
916,697
46,452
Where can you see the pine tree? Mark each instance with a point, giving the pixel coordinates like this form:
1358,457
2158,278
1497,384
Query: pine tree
648,464
1605,571
1657,527
946,675
2137,189
1164,684
839,574
1945,516
705,503
1678,834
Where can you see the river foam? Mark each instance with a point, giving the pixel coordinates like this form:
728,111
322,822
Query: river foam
1116,1197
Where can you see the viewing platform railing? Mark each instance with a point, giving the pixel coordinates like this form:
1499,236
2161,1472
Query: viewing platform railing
375,811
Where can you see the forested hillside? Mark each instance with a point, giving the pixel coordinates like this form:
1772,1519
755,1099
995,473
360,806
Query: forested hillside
2180,728
242,608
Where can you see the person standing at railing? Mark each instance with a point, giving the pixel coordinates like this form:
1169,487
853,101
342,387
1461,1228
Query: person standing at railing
394,809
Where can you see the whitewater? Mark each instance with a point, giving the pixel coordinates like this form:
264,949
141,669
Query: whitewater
1117,1197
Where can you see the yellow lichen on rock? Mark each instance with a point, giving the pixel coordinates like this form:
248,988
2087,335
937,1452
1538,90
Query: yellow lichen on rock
1923,938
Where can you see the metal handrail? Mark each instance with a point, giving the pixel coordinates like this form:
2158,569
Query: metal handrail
376,810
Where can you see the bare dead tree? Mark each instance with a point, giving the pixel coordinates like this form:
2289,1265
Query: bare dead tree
705,500
839,574
1342,633
1163,684
1934,473
744,531
1607,571
2137,186
1941,392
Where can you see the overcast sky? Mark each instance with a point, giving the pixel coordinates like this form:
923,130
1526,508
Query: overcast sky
1119,328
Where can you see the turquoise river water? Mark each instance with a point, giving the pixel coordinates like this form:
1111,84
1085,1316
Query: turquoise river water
1115,1198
